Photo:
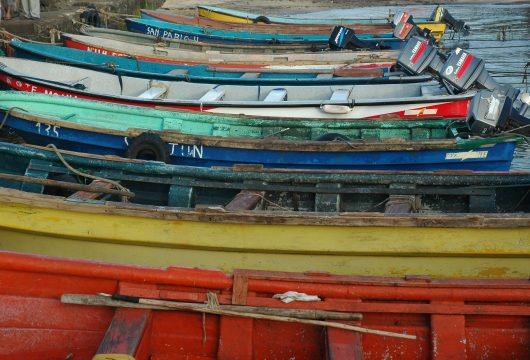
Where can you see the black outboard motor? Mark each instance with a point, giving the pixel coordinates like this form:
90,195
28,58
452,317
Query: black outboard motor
493,111
419,55
455,25
345,38
463,70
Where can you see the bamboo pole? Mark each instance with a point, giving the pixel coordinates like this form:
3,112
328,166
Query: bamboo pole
204,309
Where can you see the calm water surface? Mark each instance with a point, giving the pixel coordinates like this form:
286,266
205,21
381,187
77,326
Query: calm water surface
500,34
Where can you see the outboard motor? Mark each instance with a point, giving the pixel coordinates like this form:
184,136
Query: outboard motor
419,55
405,27
493,111
455,25
463,70
442,15
345,38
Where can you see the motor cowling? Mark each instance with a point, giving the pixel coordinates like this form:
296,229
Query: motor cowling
419,55
344,38
462,70
498,110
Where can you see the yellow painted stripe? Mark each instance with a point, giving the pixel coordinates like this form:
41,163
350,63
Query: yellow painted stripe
223,17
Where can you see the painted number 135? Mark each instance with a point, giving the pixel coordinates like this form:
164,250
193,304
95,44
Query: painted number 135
48,129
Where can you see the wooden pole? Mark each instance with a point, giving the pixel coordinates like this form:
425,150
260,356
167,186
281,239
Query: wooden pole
179,306
167,305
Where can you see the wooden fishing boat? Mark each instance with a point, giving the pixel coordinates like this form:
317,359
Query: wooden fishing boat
461,224
268,52
169,16
345,101
235,16
203,140
168,54
51,309
205,73
193,33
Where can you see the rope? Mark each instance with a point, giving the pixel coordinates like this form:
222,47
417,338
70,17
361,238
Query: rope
270,202
82,174
9,36
8,112
212,301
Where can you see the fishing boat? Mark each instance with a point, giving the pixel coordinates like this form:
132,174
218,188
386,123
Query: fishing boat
453,224
199,139
417,100
208,74
268,51
167,54
165,29
169,16
58,308
235,16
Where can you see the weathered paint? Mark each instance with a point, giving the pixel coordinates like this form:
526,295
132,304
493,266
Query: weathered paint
359,250
451,318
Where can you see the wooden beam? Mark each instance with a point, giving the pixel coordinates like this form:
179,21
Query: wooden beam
343,344
89,195
244,200
124,335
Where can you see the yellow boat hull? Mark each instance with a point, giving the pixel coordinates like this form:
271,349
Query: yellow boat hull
437,28
356,244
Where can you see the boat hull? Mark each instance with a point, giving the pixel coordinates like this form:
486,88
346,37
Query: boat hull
172,31
202,151
451,318
456,108
475,246
437,28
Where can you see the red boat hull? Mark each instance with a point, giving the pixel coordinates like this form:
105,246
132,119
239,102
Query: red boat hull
452,319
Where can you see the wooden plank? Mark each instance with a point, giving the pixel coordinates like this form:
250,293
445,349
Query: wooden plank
86,195
244,200
399,204
125,333
448,336
236,338
343,344
240,288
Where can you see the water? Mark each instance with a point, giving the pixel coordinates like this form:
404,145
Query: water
505,60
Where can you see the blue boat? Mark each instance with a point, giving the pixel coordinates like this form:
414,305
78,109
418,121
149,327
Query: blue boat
200,73
164,29
178,138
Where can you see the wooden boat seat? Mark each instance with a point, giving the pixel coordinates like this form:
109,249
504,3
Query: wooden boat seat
340,95
215,94
154,92
177,72
250,75
324,76
430,90
276,95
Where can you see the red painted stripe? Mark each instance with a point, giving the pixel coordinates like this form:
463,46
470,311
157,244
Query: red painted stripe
465,65
420,51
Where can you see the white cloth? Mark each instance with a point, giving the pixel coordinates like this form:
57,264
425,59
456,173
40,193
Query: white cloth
31,8
290,296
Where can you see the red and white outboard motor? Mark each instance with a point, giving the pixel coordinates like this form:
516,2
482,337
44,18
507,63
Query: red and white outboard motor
344,38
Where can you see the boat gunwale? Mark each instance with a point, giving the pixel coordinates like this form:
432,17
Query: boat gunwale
220,215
